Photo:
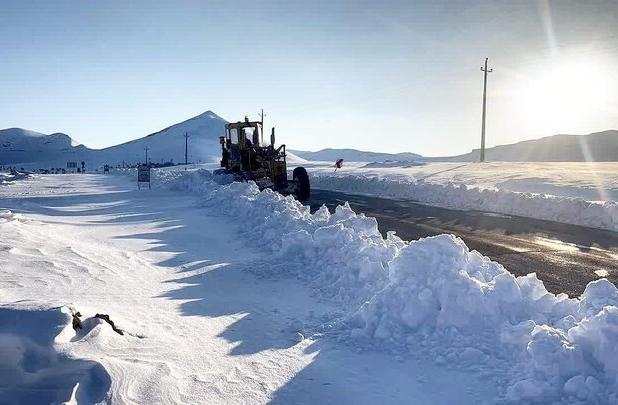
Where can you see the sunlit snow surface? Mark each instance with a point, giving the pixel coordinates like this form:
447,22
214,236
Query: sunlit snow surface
576,193
231,295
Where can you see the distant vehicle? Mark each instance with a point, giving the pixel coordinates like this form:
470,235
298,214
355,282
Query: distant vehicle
244,155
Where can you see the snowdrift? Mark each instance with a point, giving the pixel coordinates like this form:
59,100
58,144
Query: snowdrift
466,309
431,297
34,370
342,255
576,211
7,178
393,163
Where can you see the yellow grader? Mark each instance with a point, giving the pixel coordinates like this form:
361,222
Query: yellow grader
246,156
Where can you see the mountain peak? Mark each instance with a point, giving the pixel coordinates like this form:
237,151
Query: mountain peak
208,115
20,132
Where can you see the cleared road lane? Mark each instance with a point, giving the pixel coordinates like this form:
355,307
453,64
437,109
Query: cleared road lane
566,257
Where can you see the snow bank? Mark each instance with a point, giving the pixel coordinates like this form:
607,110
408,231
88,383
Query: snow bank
393,163
431,296
7,178
442,296
9,216
6,215
577,211
343,255
33,371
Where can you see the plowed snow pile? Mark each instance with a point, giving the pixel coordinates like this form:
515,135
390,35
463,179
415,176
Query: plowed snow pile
572,193
435,296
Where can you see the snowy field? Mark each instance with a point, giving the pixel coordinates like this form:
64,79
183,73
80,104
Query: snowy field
6,177
224,294
576,193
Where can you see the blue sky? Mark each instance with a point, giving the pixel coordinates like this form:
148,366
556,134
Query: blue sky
383,76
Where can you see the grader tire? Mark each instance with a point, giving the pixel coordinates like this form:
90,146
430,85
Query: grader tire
303,190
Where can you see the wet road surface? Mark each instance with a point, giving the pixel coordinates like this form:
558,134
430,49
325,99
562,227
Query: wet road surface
565,257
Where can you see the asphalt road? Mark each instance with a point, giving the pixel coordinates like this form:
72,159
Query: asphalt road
565,257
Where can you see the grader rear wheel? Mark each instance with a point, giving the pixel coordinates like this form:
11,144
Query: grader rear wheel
303,189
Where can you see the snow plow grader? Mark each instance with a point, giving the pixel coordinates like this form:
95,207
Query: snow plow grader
246,156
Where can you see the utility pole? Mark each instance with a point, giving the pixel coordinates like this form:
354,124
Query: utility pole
186,148
485,71
146,149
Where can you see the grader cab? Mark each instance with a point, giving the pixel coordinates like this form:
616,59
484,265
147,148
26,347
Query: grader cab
245,155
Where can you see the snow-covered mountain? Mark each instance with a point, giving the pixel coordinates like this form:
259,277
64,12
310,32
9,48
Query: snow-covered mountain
594,147
354,155
169,144
20,147
29,149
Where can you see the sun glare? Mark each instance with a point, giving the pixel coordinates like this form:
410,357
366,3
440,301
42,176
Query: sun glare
563,94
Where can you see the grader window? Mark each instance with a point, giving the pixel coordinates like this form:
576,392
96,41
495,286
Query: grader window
248,133
234,136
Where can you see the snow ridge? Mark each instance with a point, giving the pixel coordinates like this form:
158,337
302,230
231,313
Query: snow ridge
432,296
36,368
576,211
343,255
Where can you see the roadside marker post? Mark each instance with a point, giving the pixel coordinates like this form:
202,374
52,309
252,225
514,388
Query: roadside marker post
143,175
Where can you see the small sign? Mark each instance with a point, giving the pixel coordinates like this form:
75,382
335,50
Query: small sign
106,169
143,175
71,165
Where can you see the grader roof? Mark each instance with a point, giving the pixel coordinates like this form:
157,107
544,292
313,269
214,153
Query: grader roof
243,124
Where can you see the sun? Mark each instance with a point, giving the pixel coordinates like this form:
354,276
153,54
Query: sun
563,94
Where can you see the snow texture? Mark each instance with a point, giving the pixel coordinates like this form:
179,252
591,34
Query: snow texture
393,163
427,299
459,306
6,178
455,195
33,370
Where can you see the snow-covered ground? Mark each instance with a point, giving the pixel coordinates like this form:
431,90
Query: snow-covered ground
6,177
576,193
226,294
